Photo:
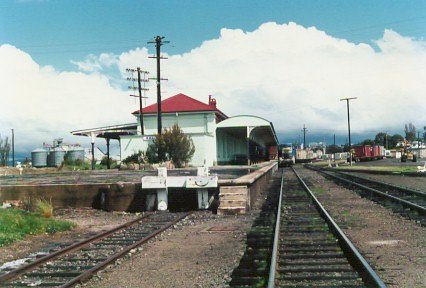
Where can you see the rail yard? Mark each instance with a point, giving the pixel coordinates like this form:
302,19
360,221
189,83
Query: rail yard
212,144
308,226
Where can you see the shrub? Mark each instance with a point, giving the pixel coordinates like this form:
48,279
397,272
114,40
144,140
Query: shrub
105,161
77,162
137,157
173,145
44,208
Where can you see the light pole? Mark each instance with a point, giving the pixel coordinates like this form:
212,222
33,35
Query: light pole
349,127
92,135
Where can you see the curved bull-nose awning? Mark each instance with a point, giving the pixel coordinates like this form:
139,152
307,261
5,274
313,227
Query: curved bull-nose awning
245,138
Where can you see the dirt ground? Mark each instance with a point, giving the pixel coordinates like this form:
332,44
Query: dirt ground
88,220
394,246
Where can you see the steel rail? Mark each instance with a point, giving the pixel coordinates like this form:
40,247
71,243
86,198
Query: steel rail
89,273
52,256
367,273
392,186
411,205
273,264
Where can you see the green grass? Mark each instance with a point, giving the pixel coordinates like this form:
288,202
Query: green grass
88,166
15,224
318,190
381,168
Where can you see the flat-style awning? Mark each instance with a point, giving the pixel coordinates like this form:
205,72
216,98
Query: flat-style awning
109,132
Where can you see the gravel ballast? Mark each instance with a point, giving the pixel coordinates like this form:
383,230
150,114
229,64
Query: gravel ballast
394,246
189,255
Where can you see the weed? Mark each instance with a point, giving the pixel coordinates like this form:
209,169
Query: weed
15,224
44,207
318,190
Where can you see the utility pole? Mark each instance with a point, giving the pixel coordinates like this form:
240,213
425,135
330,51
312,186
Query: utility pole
158,41
349,127
13,148
304,136
140,89
386,140
334,147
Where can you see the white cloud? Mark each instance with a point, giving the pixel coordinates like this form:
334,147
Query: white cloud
95,63
289,74
292,75
41,103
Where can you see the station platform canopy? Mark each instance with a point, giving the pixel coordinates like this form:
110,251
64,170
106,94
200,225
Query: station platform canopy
109,132
245,138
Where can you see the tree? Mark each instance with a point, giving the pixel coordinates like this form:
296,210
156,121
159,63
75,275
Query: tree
380,139
4,151
173,145
410,132
393,140
333,149
424,134
367,142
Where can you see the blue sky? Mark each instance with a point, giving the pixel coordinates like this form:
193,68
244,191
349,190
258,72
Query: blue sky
54,32
71,54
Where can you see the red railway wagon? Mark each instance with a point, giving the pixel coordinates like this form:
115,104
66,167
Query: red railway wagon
367,152
273,152
376,152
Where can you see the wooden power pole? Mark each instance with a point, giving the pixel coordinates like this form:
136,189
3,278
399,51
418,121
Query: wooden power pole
158,41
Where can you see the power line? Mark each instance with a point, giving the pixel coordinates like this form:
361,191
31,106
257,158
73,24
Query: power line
381,25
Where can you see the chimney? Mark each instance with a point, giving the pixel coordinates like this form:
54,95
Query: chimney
212,101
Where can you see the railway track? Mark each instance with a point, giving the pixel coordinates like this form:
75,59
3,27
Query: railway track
309,249
78,262
409,203
295,243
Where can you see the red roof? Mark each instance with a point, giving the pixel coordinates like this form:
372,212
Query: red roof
181,103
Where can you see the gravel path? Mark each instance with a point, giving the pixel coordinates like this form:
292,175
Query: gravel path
187,256
394,246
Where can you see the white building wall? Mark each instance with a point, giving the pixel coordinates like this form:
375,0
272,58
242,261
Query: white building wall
199,126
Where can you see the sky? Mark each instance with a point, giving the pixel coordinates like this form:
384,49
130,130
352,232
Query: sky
63,63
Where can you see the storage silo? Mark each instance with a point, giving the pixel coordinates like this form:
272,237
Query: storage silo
76,153
56,157
39,157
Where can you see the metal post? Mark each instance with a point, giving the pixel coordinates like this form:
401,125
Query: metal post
13,148
349,128
108,159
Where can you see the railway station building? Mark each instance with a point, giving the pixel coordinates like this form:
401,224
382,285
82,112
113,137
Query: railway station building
218,139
